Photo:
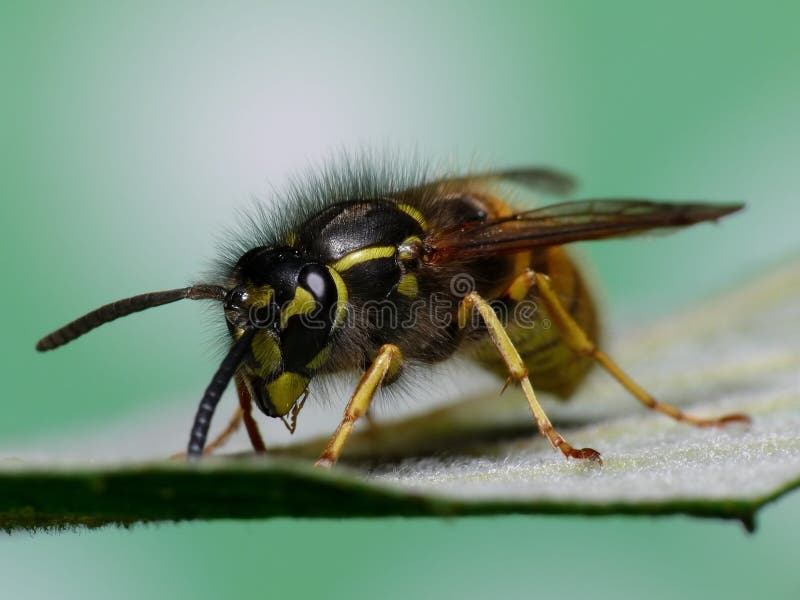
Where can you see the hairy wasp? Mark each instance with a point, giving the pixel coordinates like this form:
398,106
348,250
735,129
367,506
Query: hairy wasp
363,267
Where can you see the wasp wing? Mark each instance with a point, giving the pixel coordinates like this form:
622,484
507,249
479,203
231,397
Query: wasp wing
544,179
568,222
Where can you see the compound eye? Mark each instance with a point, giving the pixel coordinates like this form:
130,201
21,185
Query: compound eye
236,299
317,280
234,306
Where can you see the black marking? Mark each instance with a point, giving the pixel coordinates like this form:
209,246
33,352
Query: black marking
275,267
349,226
307,334
122,308
577,293
372,279
202,420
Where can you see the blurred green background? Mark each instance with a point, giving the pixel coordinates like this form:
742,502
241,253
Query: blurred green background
132,132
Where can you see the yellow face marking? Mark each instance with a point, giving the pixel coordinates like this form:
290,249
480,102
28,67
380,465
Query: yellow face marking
408,285
357,257
302,303
266,352
414,214
285,390
341,297
320,359
291,239
259,295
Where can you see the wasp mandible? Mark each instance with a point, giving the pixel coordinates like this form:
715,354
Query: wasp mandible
362,268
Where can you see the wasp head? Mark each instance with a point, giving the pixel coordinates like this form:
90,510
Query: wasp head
292,302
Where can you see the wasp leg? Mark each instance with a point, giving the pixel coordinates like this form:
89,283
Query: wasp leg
522,284
387,363
246,406
517,370
577,339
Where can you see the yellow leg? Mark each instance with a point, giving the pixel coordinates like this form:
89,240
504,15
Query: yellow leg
575,337
517,370
388,361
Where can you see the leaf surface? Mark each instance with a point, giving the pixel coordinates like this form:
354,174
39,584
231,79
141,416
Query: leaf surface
739,352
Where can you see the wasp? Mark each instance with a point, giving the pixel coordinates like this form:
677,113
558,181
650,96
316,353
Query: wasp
364,269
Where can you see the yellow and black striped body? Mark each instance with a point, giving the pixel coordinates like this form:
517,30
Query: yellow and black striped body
371,267
552,365
344,283
372,284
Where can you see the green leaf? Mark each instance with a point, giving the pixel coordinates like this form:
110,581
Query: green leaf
738,352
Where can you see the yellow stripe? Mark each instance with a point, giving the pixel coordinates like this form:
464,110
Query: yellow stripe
342,296
260,295
408,285
365,254
266,352
320,359
285,390
302,303
414,214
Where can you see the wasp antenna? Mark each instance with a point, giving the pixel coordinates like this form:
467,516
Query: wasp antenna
124,307
213,393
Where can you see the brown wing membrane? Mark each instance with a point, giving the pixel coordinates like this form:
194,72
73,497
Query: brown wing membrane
568,222
538,178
